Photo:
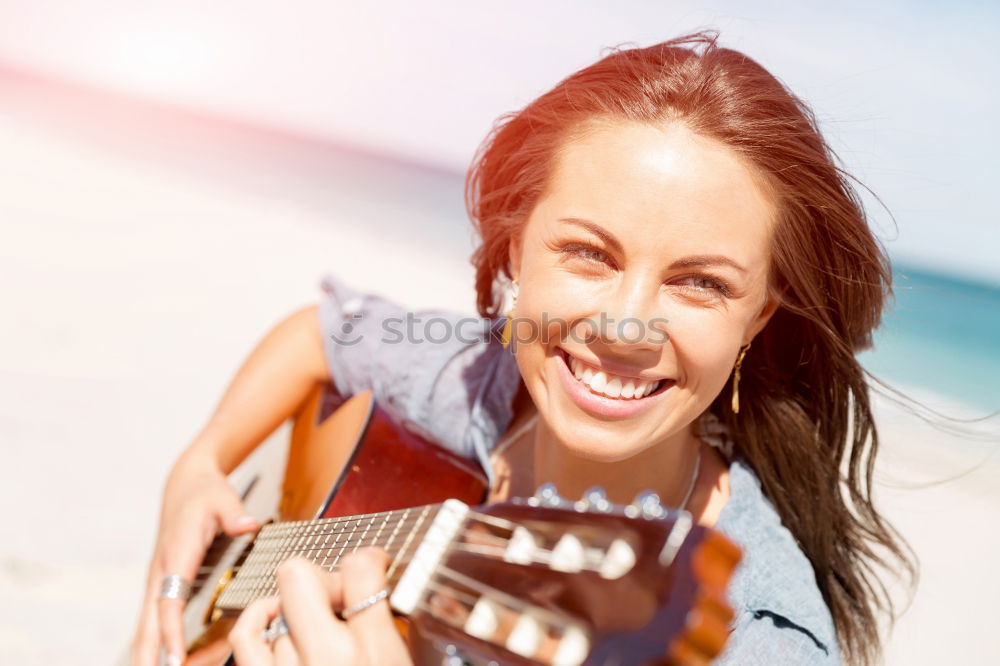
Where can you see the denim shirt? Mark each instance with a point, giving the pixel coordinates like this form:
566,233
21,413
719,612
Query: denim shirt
446,377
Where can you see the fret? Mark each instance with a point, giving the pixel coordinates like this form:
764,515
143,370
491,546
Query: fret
361,539
328,546
300,540
338,542
406,544
392,536
381,526
323,542
255,568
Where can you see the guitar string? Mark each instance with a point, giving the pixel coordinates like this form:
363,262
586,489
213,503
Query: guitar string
263,554
261,579
271,542
305,543
311,538
291,525
318,528
266,554
262,582
444,574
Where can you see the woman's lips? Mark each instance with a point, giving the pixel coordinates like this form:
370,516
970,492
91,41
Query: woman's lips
603,406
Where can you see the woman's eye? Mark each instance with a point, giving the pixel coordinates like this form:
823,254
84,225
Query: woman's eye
587,253
703,282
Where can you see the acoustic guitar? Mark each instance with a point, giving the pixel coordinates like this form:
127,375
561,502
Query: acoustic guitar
539,580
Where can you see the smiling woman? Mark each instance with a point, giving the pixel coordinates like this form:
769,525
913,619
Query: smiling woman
664,197
601,199
690,277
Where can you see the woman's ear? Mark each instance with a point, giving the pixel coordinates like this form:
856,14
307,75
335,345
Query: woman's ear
514,254
764,316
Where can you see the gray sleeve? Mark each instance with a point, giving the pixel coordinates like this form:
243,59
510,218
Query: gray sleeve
762,639
429,370
351,327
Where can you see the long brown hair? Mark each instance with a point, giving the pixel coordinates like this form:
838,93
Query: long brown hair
805,412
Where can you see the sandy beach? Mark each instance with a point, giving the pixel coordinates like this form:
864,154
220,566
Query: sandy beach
140,264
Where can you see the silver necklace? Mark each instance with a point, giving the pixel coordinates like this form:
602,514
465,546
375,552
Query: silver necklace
694,479
534,417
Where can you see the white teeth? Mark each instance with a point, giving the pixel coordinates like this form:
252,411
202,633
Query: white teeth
598,382
611,385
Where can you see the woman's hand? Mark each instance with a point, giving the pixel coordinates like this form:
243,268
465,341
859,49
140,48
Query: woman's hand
198,503
269,387
308,596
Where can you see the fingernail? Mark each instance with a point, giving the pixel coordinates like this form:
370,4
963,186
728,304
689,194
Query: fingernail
246,521
173,660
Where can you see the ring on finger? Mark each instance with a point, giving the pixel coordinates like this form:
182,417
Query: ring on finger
275,630
367,603
174,586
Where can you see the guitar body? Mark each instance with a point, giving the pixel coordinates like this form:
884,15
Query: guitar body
345,458
537,580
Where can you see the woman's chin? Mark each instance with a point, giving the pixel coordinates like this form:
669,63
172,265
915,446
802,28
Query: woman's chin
599,450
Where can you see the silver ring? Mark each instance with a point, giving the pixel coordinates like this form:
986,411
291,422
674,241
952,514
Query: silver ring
368,602
275,630
175,587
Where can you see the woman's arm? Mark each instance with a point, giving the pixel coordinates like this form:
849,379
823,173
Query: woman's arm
198,501
271,384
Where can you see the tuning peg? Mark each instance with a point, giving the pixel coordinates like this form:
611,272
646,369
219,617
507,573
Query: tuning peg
594,499
546,495
452,657
647,505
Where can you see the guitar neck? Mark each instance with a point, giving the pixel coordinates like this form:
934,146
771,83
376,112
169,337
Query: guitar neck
325,542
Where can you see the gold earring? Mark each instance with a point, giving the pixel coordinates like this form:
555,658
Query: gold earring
505,335
736,379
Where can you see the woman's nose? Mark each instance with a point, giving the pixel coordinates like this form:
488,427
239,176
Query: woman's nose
631,315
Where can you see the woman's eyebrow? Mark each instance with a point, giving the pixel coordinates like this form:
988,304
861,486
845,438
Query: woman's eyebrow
707,260
694,260
597,231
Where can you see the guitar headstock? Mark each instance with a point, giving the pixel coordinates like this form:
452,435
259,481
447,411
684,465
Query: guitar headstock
545,580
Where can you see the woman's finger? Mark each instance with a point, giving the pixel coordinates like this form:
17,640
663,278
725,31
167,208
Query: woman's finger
307,596
246,636
285,653
232,517
364,576
146,644
183,559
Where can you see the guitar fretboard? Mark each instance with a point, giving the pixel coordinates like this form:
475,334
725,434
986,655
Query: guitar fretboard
325,542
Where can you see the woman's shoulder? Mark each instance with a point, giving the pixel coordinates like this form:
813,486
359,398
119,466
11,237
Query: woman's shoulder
439,373
781,616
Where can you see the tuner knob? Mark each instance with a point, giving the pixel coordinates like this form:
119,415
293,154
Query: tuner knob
647,505
548,495
452,657
594,499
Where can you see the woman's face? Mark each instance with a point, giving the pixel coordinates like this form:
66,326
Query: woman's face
643,264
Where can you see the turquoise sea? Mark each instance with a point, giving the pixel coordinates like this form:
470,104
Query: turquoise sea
942,334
